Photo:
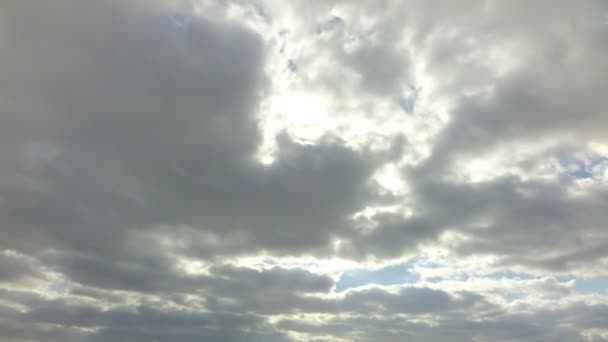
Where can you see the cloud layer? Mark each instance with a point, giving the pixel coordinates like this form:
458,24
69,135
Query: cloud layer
303,171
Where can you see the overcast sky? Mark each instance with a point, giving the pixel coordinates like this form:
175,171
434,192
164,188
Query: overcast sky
307,170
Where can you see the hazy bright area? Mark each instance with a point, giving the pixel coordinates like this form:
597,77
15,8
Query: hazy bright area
303,170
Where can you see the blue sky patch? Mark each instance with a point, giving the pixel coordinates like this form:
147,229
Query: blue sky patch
591,285
390,275
330,24
408,103
581,168
57,288
292,66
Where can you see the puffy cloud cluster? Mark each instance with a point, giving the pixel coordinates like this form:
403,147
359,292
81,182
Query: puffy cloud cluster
217,170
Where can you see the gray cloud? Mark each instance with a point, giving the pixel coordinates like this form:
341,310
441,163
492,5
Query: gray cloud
142,322
128,135
18,267
497,326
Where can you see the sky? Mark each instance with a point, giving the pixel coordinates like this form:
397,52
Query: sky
306,170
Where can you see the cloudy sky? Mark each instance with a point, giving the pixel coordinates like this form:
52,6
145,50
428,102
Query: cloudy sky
307,170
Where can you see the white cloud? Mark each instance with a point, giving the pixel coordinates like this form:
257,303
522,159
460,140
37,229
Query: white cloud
187,170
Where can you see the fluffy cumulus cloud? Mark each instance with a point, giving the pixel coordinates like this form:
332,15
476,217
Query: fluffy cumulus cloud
295,171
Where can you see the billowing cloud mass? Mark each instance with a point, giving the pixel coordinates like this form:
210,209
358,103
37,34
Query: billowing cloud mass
326,170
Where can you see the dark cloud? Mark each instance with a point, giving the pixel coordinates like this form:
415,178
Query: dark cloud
141,322
14,267
165,323
240,280
498,326
152,134
130,190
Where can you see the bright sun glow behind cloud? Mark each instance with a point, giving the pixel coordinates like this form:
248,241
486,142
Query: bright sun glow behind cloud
290,171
